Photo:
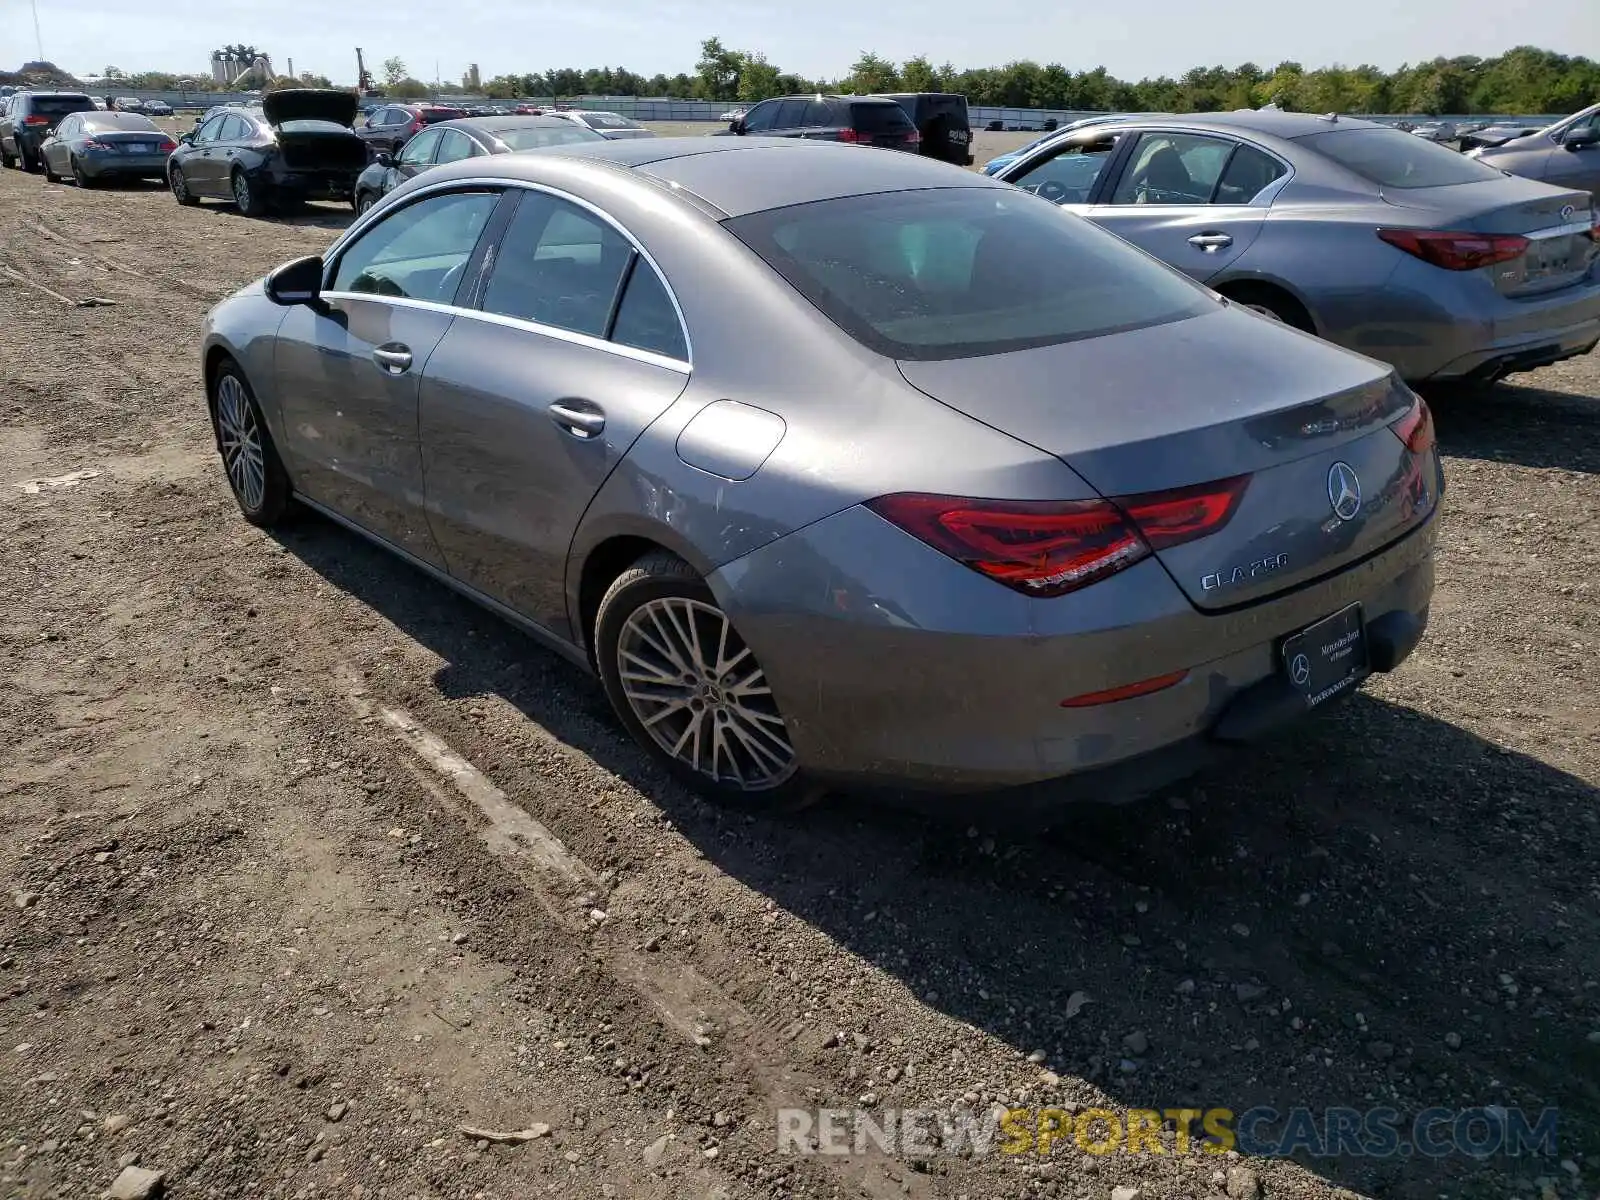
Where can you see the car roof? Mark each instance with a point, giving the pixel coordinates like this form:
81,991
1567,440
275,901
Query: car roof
497,121
1272,122
738,176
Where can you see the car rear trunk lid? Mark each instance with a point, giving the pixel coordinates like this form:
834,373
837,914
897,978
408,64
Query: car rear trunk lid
1555,221
1307,423
310,104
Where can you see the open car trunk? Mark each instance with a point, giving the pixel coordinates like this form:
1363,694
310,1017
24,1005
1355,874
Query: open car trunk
322,151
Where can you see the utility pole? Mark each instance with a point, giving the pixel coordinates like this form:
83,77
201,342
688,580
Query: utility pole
361,74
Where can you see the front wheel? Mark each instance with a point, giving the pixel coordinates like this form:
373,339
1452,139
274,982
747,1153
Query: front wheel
247,197
255,472
690,690
50,175
7,159
364,201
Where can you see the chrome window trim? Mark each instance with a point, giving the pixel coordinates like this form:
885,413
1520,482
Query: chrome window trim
551,331
330,261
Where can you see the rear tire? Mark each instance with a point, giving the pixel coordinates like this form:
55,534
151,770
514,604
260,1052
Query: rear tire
246,197
1271,302
180,187
255,472
695,697
7,160
79,177
30,162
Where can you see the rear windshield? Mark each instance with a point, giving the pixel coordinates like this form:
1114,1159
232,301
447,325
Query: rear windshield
538,138
1392,158
608,121
60,106
962,272
312,126
430,115
103,122
879,118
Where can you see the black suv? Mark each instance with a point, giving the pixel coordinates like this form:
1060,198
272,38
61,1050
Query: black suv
941,119
868,120
29,118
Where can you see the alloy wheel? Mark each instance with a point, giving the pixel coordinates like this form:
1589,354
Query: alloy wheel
180,186
697,689
241,443
1265,311
241,192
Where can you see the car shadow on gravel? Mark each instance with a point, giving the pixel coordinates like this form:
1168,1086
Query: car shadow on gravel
1379,910
1512,423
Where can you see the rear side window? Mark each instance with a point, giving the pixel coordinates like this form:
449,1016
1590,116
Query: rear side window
538,137
1394,159
646,318
879,118
962,272
1248,173
817,115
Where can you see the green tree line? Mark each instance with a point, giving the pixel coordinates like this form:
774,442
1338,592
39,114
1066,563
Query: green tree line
1523,80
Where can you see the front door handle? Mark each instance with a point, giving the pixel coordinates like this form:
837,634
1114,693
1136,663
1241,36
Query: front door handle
1211,241
394,359
578,417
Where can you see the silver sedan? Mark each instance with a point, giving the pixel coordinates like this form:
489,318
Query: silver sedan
1375,239
840,465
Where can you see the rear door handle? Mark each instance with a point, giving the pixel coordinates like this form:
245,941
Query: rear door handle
578,417
396,360
1211,241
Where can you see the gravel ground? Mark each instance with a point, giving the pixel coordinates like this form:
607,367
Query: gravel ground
256,938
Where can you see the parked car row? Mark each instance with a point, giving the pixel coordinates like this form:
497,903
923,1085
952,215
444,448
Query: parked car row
1132,516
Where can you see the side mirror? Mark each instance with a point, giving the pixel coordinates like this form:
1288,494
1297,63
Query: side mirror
186,138
383,158
1577,139
297,282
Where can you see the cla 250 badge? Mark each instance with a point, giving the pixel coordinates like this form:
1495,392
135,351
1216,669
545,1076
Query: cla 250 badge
1237,575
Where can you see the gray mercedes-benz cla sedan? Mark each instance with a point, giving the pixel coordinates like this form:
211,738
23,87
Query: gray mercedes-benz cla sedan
840,465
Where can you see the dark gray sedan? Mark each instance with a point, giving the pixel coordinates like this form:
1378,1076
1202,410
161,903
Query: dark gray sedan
452,141
1566,154
840,465
93,146
1373,238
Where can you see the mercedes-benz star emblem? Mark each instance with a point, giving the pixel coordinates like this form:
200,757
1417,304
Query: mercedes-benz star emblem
1567,212
1344,491
1300,670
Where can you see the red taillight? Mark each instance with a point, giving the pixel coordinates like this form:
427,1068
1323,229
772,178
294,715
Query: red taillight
91,144
1127,691
1415,429
913,138
168,146
418,125
1457,251
850,135
1051,547
36,120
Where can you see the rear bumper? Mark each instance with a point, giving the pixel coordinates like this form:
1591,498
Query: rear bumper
315,185
1459,328
106,166
897,668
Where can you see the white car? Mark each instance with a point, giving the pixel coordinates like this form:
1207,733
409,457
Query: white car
607,124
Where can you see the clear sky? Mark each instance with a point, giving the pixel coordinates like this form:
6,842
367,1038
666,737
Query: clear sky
819,38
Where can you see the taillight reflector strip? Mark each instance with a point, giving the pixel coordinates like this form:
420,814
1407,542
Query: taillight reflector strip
1127,691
